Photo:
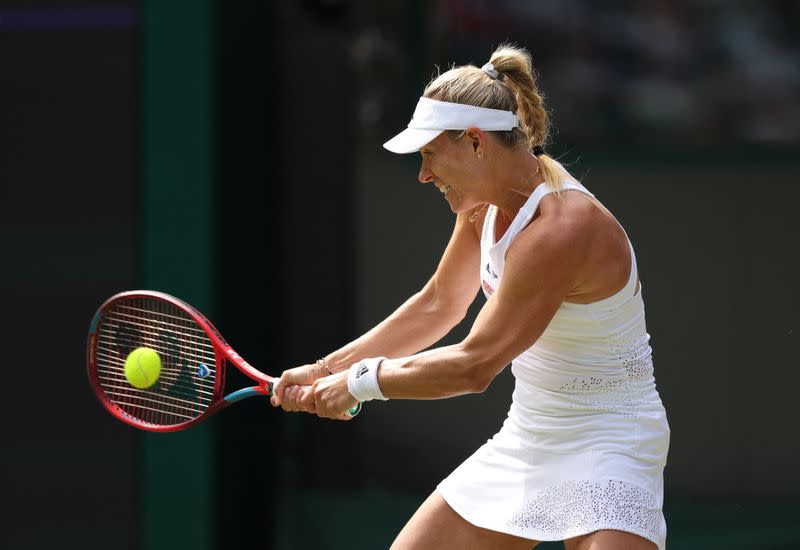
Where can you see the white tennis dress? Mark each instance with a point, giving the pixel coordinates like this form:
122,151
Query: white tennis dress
585,442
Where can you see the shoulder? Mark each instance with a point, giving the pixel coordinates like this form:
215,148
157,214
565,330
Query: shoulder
568,239
578,239
565,223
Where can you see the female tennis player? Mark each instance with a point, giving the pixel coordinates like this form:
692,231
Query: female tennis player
580,457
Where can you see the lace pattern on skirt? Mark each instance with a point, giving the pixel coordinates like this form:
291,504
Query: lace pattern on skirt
583,506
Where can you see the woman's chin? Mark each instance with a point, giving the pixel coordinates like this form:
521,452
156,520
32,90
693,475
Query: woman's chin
453,205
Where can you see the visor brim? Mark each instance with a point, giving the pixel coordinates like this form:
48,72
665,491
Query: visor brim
411,140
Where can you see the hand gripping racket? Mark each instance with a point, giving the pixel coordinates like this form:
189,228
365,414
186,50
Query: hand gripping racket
194,357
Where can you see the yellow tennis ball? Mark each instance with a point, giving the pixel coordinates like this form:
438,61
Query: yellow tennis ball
142,368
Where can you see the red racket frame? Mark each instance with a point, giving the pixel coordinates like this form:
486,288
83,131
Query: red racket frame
222,353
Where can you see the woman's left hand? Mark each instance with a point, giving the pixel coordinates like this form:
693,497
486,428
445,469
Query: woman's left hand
332,397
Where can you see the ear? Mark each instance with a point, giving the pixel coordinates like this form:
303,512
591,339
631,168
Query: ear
476,137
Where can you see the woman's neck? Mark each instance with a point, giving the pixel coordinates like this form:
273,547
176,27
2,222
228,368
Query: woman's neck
519,176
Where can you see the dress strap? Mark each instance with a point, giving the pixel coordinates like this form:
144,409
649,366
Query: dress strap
528,210
633,278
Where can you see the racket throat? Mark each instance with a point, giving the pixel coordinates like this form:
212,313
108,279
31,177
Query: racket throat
244,393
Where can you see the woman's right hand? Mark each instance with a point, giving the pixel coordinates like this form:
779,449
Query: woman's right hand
288,392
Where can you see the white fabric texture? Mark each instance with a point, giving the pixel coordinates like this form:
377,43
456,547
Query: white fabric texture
432,117
362,380
585,442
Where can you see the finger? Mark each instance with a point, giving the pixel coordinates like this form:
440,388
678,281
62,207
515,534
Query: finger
278,390
346,414
288,403
316,396
324,411
307,401
297,396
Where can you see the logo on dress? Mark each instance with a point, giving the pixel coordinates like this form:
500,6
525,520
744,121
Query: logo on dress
489,290
490,271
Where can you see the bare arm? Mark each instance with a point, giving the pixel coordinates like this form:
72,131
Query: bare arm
542,267
420,322
543,264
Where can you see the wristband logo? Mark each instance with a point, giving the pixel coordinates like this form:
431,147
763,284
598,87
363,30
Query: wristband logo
362,369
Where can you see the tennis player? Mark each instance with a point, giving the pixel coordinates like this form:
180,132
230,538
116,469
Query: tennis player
580,457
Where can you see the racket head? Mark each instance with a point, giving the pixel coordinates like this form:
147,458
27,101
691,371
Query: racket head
191,384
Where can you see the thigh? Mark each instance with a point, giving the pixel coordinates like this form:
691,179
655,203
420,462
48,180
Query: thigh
609,539
437,526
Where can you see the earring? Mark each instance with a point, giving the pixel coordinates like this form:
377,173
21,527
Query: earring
479,155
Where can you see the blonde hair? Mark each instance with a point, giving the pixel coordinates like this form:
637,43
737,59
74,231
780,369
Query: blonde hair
514,90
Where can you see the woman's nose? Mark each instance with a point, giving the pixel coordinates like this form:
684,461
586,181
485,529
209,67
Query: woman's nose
425,175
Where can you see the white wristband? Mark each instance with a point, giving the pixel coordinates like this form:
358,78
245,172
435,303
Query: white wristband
362,380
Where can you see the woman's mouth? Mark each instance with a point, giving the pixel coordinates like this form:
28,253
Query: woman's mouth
443,188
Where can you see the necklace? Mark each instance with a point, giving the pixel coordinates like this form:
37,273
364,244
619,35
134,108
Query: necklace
474,217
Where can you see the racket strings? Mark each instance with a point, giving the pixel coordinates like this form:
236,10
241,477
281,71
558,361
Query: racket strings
116,371
185,388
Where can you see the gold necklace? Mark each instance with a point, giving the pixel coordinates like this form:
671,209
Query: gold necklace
474,217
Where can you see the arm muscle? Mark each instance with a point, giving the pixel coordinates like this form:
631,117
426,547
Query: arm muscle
542,266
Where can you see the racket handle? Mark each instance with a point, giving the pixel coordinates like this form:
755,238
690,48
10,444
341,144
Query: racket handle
354,411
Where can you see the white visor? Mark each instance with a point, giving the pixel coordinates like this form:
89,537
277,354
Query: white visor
432,117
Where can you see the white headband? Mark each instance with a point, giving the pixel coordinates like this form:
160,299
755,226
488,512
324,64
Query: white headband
432,117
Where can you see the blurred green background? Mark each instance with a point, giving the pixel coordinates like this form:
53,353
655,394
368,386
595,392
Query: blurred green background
229,153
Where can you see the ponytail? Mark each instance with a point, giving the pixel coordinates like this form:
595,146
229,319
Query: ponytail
512,88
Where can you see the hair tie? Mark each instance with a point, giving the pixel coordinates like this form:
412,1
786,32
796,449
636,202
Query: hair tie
491,71
538,150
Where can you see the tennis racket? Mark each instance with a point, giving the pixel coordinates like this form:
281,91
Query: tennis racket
194,358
